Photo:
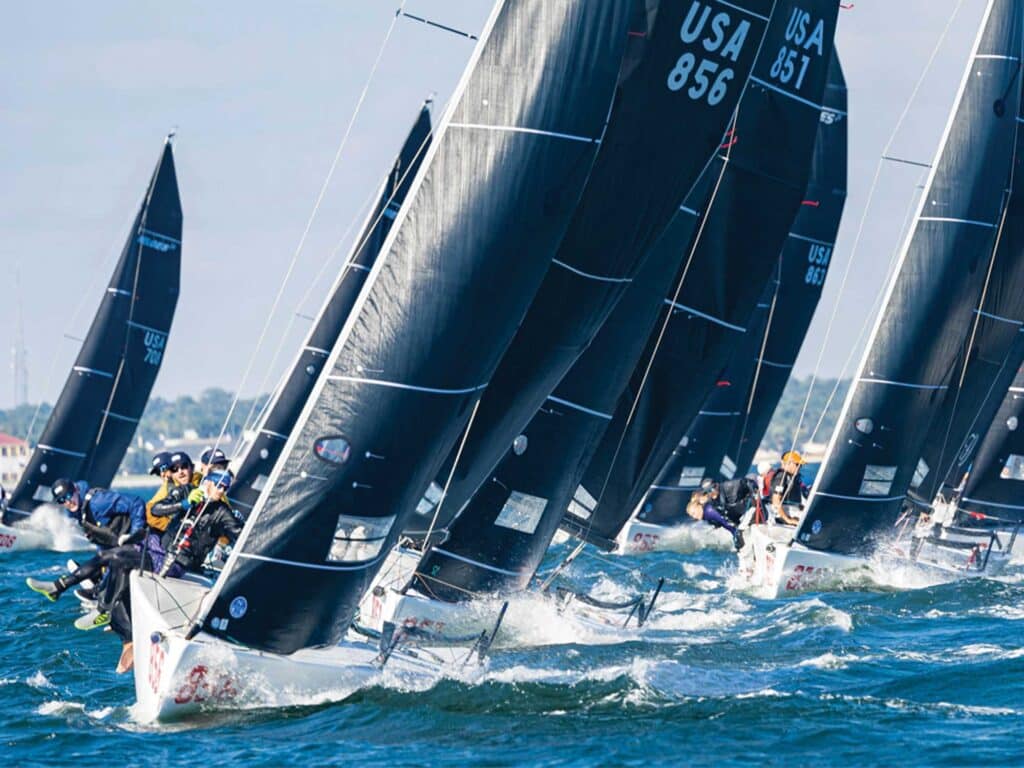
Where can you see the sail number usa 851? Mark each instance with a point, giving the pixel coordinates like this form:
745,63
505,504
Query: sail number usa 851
804,35
717,38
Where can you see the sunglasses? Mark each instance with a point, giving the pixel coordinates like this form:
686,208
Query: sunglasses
65,498
179,467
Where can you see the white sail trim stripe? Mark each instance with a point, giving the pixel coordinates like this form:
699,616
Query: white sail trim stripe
312,566
770,364
51,449
860,498
141,327
800,99
867,380
476,563
679,488
1000,318
533,131
113,415
718,413
1016,389
318,350
806,239
271,433
690,211
590,275
21,512
119,292
578,407
991,503
413,387
741,9
698,313
359,266
997,56
83,369
949,220
161,235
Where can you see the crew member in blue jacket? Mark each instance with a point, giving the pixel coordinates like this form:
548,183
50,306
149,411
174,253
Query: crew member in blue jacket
108,518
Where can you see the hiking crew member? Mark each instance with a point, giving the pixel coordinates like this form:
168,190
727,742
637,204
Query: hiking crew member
738,496
706,504
180,472
785,488
107,517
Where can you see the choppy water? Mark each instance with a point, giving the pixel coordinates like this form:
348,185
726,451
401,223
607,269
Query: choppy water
931,675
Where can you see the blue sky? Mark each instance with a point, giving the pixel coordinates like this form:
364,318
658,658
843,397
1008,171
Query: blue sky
260,94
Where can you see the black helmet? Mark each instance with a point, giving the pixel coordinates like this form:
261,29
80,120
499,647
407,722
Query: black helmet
180,459
214,457
62,490
161,461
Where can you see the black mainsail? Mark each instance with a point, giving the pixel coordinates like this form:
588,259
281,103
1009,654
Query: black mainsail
283,411
684,72
995,486
707,310
464,258
910,362
99,408
725,435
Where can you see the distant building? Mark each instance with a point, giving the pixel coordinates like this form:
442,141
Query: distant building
14,455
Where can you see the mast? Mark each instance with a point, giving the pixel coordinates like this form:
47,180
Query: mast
99,408
288,402
685,69
454,278
911,356
707,311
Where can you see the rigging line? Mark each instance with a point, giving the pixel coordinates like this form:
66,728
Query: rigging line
451,474
309,224
760,360
353,252
445,27
863,219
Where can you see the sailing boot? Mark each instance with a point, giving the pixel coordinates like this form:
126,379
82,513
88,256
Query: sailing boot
51,590
92,620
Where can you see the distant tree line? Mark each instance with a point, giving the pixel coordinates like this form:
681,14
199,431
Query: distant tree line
168,419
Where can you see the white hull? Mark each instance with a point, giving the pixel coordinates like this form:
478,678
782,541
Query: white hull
773,565
970,552
177,678
638,537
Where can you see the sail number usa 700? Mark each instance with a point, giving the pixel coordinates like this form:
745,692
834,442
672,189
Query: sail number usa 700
718,35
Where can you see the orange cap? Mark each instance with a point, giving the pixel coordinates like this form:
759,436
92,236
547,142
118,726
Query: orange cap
793,456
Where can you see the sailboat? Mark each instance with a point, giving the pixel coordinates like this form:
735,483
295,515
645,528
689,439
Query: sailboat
496,544
284,409
98,411
465,255
721,441
915,354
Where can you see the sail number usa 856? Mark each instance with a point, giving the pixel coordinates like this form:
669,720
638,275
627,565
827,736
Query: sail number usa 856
713,36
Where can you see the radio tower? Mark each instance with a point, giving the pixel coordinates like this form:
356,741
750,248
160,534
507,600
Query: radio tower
19,356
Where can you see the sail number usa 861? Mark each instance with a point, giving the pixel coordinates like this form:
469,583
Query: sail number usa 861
818,257
713,36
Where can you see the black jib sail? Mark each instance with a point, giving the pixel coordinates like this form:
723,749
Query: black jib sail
99,408
910,362
465,256
723,439
995,486
284,410
993,352
684,72
707,310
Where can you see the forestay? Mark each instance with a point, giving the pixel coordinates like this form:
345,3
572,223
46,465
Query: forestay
709,308
98,410
454,278
684,72
910,361
283,411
